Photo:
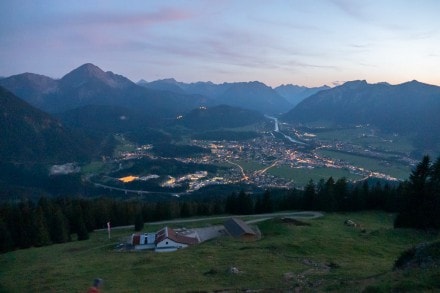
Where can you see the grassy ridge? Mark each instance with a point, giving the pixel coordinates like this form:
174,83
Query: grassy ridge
324,256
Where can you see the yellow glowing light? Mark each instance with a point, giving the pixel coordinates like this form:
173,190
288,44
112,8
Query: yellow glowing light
128,179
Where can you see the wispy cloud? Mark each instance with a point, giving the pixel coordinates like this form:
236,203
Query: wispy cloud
130,19
354,9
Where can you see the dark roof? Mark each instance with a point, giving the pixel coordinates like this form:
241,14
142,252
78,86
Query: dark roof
236,228
171,234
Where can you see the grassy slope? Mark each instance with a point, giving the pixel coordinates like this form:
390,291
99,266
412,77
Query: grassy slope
363,259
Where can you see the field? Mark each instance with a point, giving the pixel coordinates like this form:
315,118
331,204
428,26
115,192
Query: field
301,176
391,167
325,256
369,138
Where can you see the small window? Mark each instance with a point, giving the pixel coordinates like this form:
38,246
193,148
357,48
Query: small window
166,243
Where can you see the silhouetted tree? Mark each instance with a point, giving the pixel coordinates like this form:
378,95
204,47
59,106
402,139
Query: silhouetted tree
42,236
245,204
139,221
185,210
58,226
267,202
6,242
231,206
328,200
342,197
26,235
421,206
310,199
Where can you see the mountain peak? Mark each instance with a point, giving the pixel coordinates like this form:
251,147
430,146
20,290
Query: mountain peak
90,68
355,82
169,80
89,72
85,71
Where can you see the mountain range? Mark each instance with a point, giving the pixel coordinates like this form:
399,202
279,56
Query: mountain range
250,95
295,94
98,104
89,85
291,93
408,108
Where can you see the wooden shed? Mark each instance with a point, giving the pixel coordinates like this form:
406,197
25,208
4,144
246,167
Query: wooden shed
239,229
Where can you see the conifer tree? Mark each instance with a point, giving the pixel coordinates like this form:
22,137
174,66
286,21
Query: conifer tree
82,232
231,204
42,236
139,221
185,211
328,196
421,207
6,242
245,204
309,195
58,226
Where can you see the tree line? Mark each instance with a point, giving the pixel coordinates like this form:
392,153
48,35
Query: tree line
57,220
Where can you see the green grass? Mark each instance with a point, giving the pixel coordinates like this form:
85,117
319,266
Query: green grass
359,260
389,167
362,137
123,146
95,167
250,166
302,176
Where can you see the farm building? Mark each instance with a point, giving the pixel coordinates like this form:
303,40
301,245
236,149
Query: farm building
166,239
143,241
239,229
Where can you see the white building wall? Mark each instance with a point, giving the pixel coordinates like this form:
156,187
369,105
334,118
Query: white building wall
169,245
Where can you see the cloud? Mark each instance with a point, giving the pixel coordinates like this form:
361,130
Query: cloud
113,19
146,18
354,9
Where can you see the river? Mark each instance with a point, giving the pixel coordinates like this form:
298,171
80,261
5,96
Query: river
277,129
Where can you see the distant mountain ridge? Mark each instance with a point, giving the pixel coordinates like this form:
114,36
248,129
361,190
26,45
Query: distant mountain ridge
89,85
255,96
217,117
295,94
410,107
251,95
30,135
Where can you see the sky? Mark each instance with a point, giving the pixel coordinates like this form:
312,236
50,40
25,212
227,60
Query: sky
303,42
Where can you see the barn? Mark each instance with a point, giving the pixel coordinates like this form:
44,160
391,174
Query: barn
238,229
168,240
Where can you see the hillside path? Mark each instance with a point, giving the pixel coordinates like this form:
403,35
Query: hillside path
260,218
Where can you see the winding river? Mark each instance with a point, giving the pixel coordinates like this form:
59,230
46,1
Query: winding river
277,129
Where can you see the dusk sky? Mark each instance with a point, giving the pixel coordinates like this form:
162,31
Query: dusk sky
308,42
